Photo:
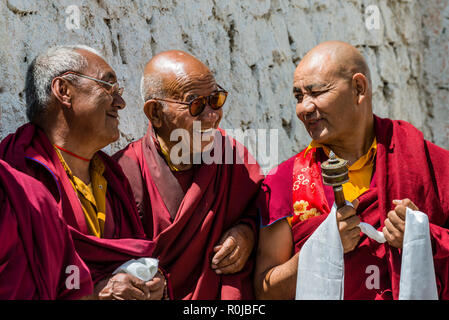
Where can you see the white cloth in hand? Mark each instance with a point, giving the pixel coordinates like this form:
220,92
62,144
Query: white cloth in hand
144,268
417,270
321,260
321,265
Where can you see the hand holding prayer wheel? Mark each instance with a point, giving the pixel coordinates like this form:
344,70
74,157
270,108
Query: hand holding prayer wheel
335,174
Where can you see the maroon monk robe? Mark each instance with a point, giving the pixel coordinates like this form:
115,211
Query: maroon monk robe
406,166
35,243
30,151
219,197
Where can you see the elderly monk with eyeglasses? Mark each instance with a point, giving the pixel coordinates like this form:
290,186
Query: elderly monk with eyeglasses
73,100
201,214
391,168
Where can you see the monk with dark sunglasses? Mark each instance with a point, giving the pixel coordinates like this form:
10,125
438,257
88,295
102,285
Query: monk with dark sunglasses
201,216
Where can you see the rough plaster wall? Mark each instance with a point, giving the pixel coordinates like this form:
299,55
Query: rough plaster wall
252,47
436,65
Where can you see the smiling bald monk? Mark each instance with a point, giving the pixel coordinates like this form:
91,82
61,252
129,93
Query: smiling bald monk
391,167
202,216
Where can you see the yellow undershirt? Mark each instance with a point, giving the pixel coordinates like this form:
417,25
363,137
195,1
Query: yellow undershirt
167,159
360,172
92,196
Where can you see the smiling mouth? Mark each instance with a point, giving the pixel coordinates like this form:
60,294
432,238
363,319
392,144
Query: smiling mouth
113,115
206,131
314,122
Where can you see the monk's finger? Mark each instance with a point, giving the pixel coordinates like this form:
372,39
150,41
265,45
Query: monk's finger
387,235
229,259
227,247
115,296
355,233
395,234
156,288
223,238
350,239
396,219
232,268
355,203
105,294
410,204
154,284
143,287
129,294
391,239
136,287
400,211
349,223
126,290
351,234
407,203
345,212
133,293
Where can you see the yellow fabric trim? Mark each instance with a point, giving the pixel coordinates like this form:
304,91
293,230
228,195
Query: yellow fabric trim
93,196
167,159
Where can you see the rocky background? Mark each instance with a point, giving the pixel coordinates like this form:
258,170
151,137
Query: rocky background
252,46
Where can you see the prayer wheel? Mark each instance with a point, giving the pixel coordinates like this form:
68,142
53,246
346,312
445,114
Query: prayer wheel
335,174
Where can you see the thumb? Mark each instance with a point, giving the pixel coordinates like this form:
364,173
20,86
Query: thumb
355,203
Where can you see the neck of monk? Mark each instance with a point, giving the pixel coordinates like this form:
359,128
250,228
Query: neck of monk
353,146
166,147
69,142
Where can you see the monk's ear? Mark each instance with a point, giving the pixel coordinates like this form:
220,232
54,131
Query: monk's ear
153,111
360,87
62,91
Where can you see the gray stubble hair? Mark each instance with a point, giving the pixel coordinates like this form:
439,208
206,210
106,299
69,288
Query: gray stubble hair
44,68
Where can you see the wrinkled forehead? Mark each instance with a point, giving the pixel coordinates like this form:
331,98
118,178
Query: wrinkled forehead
97,66
184,79
314,69
180,72
196,82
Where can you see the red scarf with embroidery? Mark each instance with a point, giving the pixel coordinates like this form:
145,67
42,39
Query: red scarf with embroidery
309,199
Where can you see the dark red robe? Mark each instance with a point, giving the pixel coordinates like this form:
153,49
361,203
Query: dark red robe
30,151
217,197
406,166
35,244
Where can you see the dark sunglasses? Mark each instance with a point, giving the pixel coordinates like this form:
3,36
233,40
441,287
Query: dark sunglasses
197,105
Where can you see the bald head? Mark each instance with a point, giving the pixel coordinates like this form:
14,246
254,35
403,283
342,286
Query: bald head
177,89
169,72
338,58
332,87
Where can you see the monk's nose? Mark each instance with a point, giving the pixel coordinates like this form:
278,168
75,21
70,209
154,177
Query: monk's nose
210,115
308,107
119,102
305,109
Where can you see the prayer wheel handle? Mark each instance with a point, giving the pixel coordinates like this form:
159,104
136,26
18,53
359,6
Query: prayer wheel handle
335,174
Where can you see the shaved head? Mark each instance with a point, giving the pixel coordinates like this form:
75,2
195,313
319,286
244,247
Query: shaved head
168,71
173,84
332,86
337,57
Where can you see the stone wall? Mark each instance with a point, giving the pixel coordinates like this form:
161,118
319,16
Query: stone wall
252,46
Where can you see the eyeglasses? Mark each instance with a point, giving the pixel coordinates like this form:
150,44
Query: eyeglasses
113,88
197,105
